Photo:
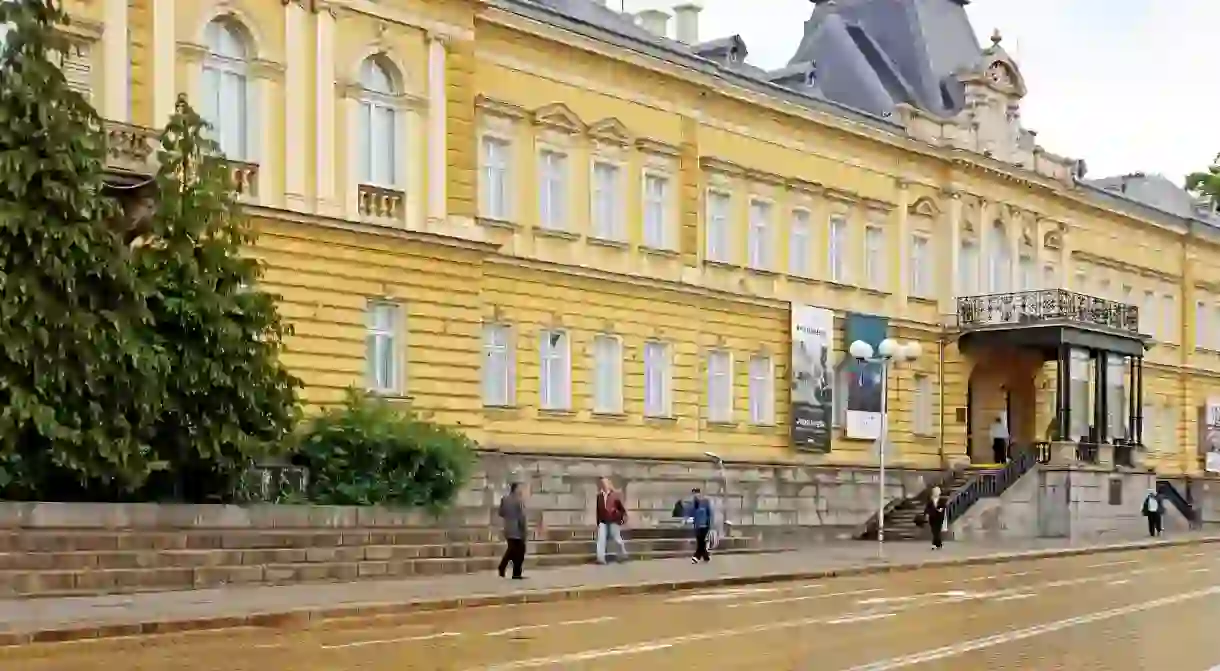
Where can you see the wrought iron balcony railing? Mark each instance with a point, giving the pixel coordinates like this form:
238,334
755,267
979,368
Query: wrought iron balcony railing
1045,305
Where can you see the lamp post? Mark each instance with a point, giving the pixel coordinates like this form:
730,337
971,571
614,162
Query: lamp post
724,488
888,350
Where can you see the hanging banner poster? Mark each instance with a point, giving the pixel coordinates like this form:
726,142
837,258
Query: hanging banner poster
1209,435
812,387
865,384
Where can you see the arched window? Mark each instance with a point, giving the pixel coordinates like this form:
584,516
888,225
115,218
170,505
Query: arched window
999,260
378,125
226,88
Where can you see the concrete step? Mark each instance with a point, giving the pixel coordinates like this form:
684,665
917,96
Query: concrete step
204,558
112,581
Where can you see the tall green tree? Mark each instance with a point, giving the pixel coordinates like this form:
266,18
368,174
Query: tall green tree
1206,184
228,401
79,385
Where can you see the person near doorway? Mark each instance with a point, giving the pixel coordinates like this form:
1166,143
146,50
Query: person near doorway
516,529
1154,509
935,512
611,516
999,439
701,517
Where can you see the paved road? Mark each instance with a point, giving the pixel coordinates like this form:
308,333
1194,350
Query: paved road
1148,610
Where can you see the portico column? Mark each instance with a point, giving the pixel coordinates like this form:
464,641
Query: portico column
1099,397
1065,393
1131,400
1139,401
437,129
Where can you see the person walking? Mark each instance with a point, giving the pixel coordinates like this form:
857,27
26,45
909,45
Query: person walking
999,439
1154,509
611,516
701,516
516,529
934,510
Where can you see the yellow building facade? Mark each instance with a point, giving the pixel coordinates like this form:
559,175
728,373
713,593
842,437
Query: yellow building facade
572,236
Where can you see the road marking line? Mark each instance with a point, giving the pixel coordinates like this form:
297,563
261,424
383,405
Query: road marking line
1122,562
1119,582
387,641
534,627
868,617
980,578
1016,597
1199,554
1201,570
964,647
807,597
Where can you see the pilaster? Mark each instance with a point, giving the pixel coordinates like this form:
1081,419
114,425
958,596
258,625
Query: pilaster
325,116
461,142
164,61
987,212
437,130
116,63
900,256
949,281
296,103
691,196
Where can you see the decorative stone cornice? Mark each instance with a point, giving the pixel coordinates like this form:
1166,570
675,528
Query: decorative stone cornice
805,186
500,108
924,207
721,166
558,116
610,130
651,146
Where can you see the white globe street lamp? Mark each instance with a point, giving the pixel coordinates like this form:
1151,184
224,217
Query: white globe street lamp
888,350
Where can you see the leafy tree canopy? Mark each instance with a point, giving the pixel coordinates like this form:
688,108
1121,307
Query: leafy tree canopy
1206,184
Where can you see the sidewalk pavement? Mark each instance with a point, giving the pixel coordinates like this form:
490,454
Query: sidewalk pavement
73,618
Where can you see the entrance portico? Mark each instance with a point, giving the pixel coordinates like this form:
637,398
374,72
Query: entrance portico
1096,373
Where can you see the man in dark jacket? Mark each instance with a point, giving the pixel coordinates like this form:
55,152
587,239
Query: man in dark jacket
516,529
1154,509
701,516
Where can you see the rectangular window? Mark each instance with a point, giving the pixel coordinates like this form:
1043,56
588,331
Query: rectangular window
1169,318
554,377
799,244
921,267
552,189
657,380
607,375
836,249
77,67
1080,283
968,269
383,323
1213,329
607,202
759,243
498,366
494,189
874,257
720,387
1050,279
1202,314
656,211
762,390
923,420
1026,274
719,205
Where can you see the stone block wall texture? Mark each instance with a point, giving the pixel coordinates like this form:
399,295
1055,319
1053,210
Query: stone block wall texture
1075,503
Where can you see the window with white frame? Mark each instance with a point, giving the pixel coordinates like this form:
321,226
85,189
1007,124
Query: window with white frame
1125,295
719,235
1080,282
225,101
1148,319
656,211
1050,277
555,370
608,216
921,266
762,390
999,260
495,192
1027,274
552,189
1202,314
382,351
923,419
498,368
968,269
657,380
759,238
844,371
1169,318
836,249
800,244
874,257
607,374
378,125
1213,329
719,387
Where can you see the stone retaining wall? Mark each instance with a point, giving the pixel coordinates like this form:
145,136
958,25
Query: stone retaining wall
562,493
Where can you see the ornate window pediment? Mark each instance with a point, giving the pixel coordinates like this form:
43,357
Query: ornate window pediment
610,130
924,207
560,117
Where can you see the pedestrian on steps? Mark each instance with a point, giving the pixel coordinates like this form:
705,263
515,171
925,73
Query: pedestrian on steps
934,509
701,516
516,529
1154,509
999,439
611,516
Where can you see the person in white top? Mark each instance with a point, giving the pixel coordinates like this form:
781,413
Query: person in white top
999,439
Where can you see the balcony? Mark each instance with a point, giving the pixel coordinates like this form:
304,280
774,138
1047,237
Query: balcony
1026,308
130,153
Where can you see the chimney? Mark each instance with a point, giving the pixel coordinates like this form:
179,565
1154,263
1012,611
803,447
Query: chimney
686,22
655,21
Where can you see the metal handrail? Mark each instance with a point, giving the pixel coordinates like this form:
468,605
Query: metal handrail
1166,489
990,484
1024,307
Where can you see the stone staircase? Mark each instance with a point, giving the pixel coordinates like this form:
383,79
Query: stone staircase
47,561
900,520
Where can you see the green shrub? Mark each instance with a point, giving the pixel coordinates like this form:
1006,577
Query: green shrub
368,452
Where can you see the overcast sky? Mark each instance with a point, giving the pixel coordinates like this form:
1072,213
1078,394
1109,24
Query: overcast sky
1126,85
